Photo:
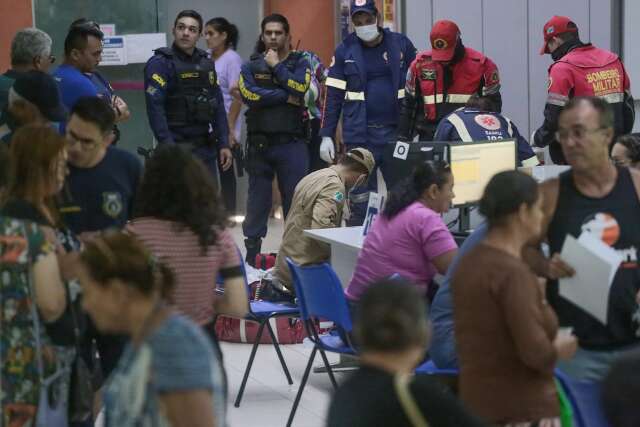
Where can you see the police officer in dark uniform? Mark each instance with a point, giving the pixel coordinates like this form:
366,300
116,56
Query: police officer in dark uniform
273,85
184,102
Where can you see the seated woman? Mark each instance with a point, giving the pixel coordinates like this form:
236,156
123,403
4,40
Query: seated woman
168,374
506,332
392,333
626,151
409,238
180,218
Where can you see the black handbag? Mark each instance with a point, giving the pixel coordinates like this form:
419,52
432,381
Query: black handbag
81,388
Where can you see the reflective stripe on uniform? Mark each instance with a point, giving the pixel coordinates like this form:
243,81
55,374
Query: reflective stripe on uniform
432,99
354,96
337,83
453,98
458,123
557,99
530,162
509,126
613,98
401,93
359,197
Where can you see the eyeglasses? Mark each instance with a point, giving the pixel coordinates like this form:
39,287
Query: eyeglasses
85,144
576,133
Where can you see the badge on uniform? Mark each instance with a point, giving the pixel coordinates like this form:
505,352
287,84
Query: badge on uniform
428,74
112,204
212,78
159,80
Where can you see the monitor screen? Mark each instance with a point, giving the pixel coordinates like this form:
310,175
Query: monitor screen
474,164
401,158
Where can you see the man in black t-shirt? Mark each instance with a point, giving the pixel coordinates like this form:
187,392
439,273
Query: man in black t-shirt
102,179
600,202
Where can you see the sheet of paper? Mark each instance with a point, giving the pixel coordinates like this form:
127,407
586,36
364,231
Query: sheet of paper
595,266
603,250
140,47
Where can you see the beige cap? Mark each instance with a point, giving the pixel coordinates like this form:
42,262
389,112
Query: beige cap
367,159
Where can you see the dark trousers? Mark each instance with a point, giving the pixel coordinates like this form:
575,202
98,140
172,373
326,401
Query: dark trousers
228,189
290,162
315,162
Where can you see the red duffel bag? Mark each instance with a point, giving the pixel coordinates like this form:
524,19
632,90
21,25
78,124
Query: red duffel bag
287,331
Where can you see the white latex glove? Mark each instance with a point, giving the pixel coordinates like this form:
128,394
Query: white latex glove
327,150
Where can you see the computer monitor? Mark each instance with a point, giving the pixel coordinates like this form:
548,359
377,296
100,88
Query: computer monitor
403,157
473,164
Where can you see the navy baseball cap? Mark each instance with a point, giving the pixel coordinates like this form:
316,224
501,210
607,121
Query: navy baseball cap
368,6
41,90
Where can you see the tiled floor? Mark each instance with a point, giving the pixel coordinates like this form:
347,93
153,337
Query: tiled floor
268,398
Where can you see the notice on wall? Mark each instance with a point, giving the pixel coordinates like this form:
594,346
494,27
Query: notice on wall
114,51
108,29
389,14
140,47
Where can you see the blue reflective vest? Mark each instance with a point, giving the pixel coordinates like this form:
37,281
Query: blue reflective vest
347,83
469,124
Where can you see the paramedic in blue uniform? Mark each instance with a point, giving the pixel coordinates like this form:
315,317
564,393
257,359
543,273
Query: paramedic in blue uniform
480,121
366,84
273,85
184,102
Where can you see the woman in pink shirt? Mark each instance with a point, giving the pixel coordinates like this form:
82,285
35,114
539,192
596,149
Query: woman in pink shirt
409,238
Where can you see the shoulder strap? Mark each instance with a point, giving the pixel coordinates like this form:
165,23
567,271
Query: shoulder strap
34,311
408,403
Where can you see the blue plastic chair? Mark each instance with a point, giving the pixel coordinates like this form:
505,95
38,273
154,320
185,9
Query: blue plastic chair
430,368
585,401
320,296
261,312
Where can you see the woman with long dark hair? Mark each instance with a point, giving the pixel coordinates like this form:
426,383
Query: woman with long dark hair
409,238
222,40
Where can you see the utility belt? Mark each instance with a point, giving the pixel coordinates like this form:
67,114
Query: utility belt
197,142
260,142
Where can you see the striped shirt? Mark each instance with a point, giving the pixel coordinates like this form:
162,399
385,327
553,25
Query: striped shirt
195,273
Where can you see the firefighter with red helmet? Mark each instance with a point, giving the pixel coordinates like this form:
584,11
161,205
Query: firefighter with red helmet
442,80
581,69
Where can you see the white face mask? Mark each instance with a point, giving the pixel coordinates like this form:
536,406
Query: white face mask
367,33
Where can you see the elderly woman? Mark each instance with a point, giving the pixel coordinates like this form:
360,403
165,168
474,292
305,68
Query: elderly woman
168,374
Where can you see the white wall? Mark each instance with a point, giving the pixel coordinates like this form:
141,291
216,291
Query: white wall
630,52
510,33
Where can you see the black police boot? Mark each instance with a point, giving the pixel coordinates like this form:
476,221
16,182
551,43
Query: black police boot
253,246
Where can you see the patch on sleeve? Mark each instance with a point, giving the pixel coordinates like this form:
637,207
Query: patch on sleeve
159,79
339,196
549,83
151,90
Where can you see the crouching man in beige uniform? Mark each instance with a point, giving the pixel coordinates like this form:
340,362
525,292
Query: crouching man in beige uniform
318,202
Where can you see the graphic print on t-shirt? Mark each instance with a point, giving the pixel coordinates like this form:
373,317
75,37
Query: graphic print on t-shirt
605,227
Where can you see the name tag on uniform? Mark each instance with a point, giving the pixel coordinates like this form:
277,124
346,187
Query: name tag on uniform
192,75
